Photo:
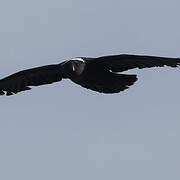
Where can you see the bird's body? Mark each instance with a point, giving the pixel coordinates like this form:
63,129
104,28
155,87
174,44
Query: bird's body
98,74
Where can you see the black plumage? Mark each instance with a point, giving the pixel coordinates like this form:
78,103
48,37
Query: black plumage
98,74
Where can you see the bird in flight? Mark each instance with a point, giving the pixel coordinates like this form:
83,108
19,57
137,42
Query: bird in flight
98,74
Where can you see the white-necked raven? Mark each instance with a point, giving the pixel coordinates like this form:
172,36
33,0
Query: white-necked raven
98,74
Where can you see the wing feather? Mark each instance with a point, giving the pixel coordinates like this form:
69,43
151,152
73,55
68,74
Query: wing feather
21,81
124,62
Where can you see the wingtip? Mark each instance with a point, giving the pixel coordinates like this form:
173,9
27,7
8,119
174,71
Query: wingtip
8,93
1,93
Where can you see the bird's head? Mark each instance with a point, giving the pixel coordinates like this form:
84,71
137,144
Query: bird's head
74,67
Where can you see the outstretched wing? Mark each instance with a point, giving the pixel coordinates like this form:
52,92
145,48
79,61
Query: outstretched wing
124,62
21,81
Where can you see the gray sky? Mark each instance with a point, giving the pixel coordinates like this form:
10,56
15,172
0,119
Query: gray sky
62,131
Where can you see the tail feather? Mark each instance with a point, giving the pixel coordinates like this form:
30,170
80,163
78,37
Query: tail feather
110,83
119,82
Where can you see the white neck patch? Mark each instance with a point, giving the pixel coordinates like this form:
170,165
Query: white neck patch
78,59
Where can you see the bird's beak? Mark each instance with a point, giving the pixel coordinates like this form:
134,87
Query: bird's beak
73,68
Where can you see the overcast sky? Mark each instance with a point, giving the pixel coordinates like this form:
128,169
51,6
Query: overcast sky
63,131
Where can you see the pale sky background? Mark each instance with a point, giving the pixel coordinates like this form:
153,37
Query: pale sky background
63,131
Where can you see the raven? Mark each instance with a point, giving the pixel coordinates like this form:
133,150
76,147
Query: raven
98,74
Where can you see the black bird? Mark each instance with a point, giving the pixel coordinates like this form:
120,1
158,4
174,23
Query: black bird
98,74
